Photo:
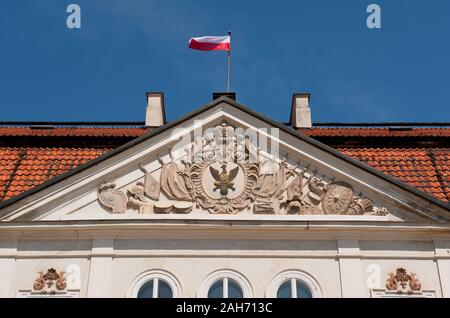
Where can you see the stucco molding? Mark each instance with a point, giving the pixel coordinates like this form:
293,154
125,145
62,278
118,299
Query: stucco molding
251,229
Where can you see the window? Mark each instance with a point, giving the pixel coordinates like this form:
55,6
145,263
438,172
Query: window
225,284
155,284
225,288
293,284
155,288
294,288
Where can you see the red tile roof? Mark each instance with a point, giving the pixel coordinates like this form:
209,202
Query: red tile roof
425,169
23,166
71,132
377,132
419,157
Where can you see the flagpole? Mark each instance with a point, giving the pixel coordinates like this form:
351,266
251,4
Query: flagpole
228,64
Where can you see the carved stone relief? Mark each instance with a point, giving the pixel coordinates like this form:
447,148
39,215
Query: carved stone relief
224,174
50,282
309,194
111,198
401,281
151,187
173,183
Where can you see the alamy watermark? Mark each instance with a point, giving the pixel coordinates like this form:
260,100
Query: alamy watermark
73,21
374,19
373,280
224,143
73,276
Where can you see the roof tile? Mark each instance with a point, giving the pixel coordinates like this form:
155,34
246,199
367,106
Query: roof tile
429,175
73,132
376,132
427,168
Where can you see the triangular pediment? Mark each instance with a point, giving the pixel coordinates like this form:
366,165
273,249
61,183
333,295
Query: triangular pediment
224,161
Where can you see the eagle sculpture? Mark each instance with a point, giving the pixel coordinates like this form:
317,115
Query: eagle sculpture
224,179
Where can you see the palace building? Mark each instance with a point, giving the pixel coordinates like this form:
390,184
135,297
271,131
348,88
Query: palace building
224,202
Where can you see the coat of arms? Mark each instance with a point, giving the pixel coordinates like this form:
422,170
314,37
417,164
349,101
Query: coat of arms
224,179
225,184
223,172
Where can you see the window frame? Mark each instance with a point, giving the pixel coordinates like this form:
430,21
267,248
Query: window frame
225,281
225,275
156,276
291,275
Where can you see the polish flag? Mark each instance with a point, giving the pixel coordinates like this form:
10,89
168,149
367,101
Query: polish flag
211,43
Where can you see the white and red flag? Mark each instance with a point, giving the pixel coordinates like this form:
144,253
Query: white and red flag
211,43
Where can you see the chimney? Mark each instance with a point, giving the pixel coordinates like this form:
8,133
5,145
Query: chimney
155,115
301,111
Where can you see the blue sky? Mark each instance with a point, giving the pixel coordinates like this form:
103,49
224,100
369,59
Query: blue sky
127,47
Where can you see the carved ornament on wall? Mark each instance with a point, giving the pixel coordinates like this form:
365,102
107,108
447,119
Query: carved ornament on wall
225,186
223,174
50,282
111,198
402,281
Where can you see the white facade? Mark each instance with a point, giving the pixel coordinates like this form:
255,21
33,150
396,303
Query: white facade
66,226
